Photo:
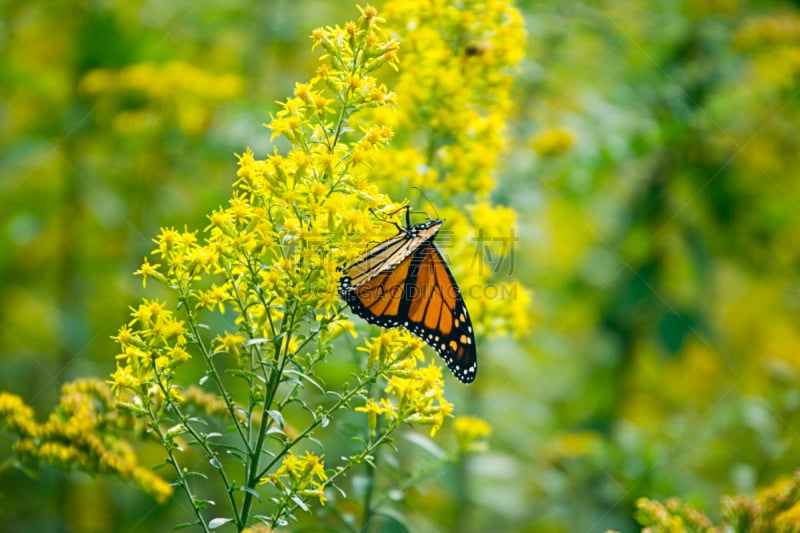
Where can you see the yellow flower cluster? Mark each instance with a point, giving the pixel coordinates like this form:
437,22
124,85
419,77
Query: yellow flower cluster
303,474
356,44
471,432
79,434
271,255
772,44
18,415
418,394
497,302
672,517
553,141
373,409
774,508
149,353
455,80
768,31
269,258
415,394
176,87
391,348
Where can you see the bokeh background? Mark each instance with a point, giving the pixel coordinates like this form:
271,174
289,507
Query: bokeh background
653,161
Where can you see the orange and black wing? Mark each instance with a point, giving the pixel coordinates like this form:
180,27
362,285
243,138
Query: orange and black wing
417,292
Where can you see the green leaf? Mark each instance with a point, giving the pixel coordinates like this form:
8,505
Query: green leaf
277,416
426,443
217,522
253,492
301,375
245,374
260,340
276,431
338,489
300,503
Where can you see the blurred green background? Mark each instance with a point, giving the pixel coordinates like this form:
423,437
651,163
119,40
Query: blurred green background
653,160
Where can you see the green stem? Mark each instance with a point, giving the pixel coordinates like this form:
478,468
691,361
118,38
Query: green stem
370,488
173,460
253,475
368,494
345,101
229,404
311,337
198,438
461,499
342,401
252,352
354,461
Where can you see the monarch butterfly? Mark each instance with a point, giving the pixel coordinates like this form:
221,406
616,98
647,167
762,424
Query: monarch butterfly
404,281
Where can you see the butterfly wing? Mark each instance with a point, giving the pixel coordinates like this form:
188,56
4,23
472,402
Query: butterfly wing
434,310
378,299
404,281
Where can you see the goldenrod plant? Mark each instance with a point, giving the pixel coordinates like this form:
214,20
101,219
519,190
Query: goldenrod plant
254,293
773,508
85,432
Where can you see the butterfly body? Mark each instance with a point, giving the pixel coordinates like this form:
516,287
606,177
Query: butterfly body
404,282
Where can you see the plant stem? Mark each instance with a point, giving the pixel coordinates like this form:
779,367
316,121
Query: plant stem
253,474
173,460
230,406
198,438
356,460
368,493
342,401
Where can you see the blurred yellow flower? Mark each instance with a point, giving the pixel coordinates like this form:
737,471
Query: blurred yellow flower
553,141
471,433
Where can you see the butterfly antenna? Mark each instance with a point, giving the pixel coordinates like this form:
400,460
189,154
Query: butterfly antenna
427,200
